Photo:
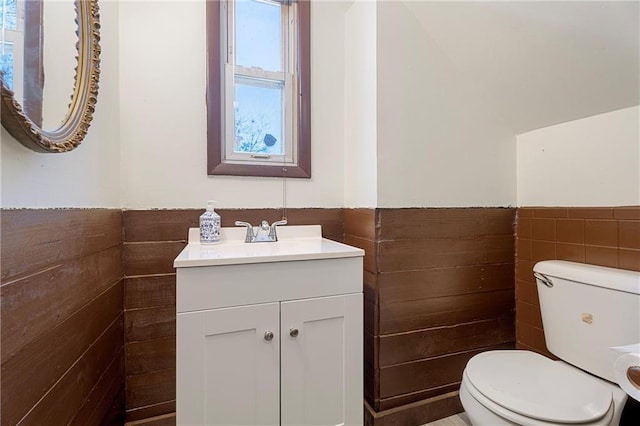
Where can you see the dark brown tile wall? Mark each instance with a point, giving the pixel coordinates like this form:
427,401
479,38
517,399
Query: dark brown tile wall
61,293
606,236
439,288
152,239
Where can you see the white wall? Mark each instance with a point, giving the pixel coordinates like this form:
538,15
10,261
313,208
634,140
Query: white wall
88,176
594,161
543,62
163,121
395,124
440,144
360,140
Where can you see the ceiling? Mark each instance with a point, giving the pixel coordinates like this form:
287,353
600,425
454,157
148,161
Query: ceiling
541,62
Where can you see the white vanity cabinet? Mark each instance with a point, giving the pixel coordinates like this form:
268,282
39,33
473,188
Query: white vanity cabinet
273,342
226,372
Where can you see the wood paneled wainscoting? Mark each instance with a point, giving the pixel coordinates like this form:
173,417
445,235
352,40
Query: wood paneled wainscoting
439,288
61,291
152,239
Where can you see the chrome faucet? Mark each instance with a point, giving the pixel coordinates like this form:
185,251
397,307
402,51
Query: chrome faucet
264,233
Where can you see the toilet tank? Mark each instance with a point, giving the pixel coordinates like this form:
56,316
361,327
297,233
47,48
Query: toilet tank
586,310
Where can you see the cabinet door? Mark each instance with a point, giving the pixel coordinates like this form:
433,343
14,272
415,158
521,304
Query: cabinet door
227,369
321,378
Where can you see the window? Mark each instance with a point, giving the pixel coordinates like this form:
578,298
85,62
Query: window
11,44
258,87
22,68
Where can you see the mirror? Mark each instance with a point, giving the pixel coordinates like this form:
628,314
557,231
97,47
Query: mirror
54,60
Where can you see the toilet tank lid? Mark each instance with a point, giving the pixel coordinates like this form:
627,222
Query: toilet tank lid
535,386
599,276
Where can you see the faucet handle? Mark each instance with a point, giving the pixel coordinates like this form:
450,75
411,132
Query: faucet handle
272,233
250,236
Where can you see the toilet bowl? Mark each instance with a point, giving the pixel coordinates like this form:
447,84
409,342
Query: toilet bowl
586,311
525,388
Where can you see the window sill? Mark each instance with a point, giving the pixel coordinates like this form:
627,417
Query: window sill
260,170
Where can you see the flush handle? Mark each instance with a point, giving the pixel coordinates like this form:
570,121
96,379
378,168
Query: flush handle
543,279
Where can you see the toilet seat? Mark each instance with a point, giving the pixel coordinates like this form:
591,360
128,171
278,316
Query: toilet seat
512,418
545,392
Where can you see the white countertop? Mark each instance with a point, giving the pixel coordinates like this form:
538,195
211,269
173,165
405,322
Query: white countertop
294,243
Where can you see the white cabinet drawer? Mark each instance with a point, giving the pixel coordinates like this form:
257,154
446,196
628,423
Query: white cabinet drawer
234,285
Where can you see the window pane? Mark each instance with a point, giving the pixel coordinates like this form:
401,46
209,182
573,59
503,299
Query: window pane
258,117
258,34
9,14
6,63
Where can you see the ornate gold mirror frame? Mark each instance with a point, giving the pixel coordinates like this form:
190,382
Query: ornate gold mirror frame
85,93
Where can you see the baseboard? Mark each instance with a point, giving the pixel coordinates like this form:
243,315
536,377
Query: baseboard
163,420
416,413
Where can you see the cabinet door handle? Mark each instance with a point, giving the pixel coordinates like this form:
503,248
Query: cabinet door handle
293,332
268,336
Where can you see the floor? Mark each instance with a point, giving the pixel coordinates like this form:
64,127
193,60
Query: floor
456,420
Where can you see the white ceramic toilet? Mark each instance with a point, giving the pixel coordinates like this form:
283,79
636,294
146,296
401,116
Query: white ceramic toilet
586,310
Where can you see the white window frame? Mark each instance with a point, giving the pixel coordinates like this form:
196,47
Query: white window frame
285,78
